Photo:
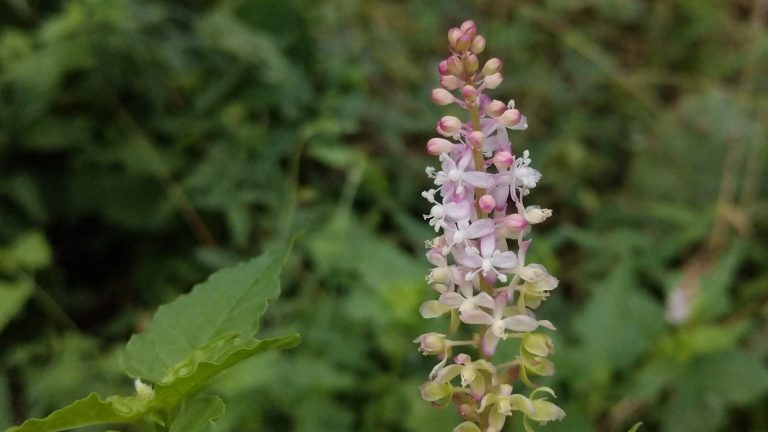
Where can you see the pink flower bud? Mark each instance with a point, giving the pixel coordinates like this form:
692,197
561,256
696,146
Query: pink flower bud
471,63
453,35
496,108
492,66
469,93
486,203
476,139
492,81
437,146
462,358
455,65
462,44
515,222
442,68
468,25
442,97
503,159
478,44
510,118
448,126
450,82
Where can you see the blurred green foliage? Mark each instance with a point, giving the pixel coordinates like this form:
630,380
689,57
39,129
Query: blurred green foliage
144,144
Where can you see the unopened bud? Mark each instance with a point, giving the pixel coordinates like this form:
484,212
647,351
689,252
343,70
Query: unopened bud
496,108
450,82
486,203
448,126
453,35
471,63
492,66
462,44
492,81
455,65
462,358
469,93
538,344
436,393
468,25
511,117
478,44
442,97
476,139
438,146
536,214
432,344
503,159
442,68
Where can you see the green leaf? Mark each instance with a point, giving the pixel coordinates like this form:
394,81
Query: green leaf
714,298
13,296
231,301
189,376
30,251
636,427
619,324
198,415
88,411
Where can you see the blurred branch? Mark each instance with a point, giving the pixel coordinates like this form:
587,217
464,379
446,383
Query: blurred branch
173,188
759,104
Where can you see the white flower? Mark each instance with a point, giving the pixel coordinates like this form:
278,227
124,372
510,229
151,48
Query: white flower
488,260
525,176
497,324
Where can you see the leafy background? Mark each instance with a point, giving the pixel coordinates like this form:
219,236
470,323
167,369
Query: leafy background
145,144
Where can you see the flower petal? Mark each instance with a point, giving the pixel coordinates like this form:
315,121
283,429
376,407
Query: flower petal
433,309
480,228
505,260
484,300
476,316
520,323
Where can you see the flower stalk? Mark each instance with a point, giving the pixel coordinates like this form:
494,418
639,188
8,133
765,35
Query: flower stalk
480,272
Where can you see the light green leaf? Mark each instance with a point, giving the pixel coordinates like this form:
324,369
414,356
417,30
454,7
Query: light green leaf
619,324
198,415
30,251
88,411
636,427
13,295
189,376
231,301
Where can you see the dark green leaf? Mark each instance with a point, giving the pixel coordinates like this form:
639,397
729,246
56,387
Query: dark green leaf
198,415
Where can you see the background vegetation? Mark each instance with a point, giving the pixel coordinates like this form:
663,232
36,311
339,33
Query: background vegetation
144,144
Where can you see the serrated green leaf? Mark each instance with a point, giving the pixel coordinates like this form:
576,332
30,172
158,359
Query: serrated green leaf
189,376
231,301
88,411
198,415
13,295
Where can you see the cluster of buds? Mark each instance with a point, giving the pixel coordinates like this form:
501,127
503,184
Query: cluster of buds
480,271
